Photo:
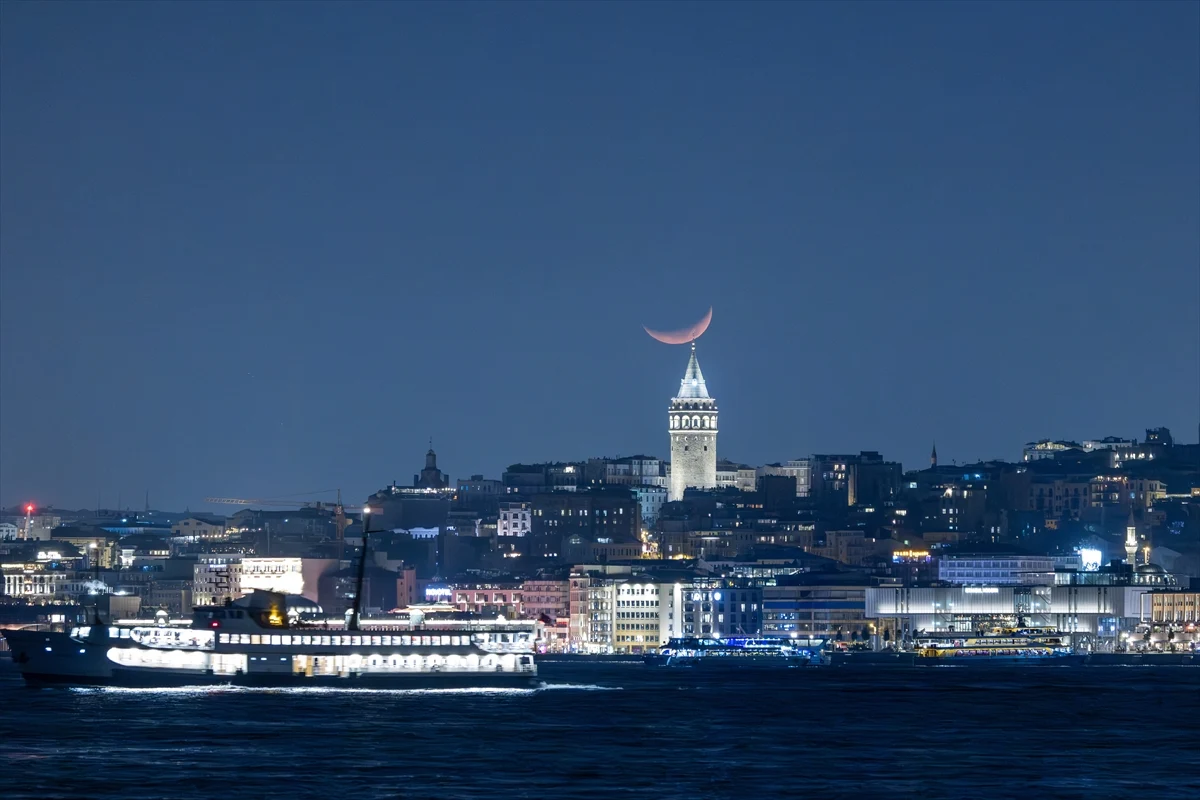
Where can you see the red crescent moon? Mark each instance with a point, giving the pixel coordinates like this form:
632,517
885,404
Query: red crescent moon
683,335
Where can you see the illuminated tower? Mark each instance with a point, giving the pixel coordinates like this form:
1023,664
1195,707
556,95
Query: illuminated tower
1131,541
933,457
692,421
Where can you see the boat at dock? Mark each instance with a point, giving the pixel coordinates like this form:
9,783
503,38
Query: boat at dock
994,650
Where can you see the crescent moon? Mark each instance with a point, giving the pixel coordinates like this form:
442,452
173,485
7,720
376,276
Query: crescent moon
683,335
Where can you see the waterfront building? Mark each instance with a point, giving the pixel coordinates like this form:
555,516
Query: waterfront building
817,605
641,619
546,598
692,423
593,601
1101,606
738,609
1179,608
490,599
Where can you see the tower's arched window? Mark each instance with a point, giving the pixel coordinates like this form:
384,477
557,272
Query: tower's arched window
705,423
696,422
675,421
685,422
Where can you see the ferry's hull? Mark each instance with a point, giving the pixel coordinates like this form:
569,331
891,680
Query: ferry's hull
726,664
55,659
1001,661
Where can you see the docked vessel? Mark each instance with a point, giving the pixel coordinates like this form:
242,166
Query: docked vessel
706,653
250,642
985,650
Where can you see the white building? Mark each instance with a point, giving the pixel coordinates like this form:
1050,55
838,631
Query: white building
194,529
650,502
216,578
996,570
33,584
736,476
642,616
8,531
273,574
230,576
514,519
692,422
1101,610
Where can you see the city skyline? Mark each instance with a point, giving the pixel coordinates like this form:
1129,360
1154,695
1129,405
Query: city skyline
229,273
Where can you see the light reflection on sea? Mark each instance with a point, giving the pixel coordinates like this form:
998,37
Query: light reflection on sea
1086,732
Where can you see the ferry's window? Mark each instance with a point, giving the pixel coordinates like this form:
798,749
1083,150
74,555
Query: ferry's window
255,638
386,640
285,639
275,639
223,638
375,641
325,641
445,640
406,640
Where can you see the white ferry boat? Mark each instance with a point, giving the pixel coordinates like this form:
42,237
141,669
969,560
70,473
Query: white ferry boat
250,642
738,653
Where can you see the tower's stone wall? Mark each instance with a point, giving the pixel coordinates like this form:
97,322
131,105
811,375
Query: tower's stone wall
693,461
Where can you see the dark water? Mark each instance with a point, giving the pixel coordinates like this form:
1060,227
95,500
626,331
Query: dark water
623,731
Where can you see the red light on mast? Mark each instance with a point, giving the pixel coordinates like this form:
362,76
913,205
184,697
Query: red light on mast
29,508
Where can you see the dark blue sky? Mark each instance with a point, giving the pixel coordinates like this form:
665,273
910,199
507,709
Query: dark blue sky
254,249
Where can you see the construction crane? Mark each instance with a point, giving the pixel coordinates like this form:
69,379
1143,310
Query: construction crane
339,510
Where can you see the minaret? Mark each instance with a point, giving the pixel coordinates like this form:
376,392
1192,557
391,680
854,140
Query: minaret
692,421
1131,540
933,457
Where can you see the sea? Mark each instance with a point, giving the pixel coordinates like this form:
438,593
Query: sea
623,730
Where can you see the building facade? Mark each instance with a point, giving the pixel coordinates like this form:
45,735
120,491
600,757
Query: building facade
514,519
996,570
817,606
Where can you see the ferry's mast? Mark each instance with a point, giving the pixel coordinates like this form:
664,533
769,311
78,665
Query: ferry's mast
356,610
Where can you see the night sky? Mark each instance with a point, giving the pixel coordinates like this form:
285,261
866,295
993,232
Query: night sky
258,249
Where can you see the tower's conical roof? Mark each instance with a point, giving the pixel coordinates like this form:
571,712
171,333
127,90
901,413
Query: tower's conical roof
692,386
